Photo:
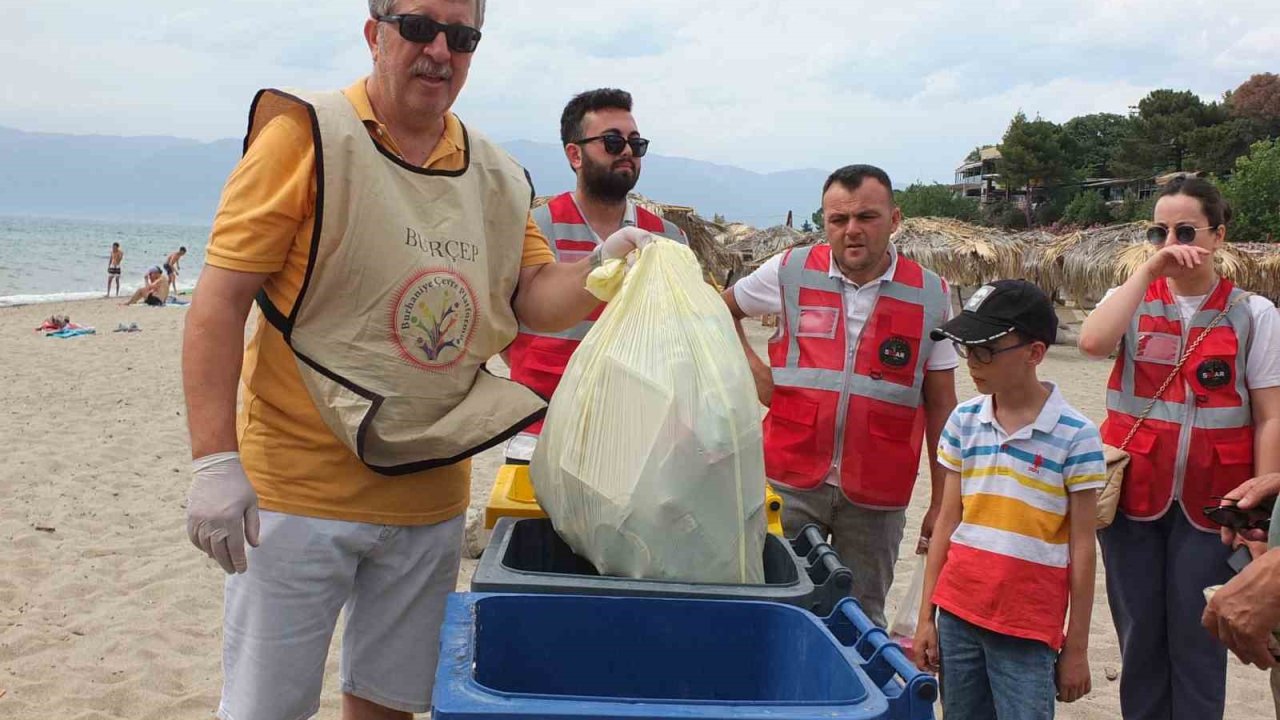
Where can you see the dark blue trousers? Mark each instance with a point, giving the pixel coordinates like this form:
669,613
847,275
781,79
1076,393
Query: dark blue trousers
1173,669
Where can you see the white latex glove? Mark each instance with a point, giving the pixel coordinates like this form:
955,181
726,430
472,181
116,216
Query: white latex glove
222,510
620,244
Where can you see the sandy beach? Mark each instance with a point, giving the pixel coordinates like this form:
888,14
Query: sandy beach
107,611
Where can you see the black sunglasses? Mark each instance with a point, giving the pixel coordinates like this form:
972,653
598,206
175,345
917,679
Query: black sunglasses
613,144
1258,518
422,29
984,353
1184,234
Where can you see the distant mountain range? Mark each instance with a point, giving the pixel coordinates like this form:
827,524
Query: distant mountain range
169,179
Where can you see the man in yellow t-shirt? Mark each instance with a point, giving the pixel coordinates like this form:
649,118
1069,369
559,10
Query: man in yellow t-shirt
332,531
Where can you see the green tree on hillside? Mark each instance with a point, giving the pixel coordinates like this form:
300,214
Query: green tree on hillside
1093,141
1215,148
818,221
1161,130
1088,208
1032,156
1254,193
936,200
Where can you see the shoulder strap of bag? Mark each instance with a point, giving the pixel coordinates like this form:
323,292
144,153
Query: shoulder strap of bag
1178,368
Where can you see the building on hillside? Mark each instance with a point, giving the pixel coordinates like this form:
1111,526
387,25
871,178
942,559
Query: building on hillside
979,179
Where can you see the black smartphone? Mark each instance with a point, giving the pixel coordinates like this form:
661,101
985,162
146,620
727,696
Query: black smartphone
1239,559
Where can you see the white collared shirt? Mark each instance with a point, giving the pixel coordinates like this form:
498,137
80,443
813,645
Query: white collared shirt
760,293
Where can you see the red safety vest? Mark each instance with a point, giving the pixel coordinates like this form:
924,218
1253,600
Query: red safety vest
1198,440
852,406
538,359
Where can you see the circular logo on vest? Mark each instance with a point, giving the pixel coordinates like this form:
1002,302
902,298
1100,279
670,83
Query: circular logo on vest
895,352
1214,373
433,318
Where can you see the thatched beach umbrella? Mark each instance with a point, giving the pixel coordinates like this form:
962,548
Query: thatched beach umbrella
1035,244
703,236
1266,268
967,255
756,247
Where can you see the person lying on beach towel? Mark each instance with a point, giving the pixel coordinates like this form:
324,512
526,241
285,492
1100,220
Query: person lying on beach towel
54,322
70,332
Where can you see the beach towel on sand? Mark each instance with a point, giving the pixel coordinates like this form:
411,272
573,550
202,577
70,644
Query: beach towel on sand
71,332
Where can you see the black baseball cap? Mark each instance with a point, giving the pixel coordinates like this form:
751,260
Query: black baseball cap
999,308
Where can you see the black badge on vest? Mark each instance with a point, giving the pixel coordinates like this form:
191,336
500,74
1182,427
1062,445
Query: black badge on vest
895,352
1214,373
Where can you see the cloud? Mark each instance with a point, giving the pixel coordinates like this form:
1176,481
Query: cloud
766,85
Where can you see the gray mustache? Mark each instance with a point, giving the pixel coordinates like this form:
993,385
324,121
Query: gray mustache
431,69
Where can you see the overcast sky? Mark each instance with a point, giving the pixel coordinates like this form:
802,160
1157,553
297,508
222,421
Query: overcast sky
766,85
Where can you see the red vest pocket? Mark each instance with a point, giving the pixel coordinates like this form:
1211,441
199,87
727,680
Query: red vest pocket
1138,496
791,441
1234,465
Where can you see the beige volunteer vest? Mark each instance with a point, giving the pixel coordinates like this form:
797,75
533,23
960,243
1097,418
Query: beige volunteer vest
407,293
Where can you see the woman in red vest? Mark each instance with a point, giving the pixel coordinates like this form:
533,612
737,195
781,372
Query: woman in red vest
1202,427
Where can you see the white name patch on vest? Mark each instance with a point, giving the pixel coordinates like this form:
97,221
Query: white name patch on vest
433,317
1157,347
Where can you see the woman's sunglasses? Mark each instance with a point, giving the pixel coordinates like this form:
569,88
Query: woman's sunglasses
422,29
614,143
1184,234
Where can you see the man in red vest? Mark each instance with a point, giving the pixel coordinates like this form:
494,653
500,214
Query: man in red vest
854,382
604,149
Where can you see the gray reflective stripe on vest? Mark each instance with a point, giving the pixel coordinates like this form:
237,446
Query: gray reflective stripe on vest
554,231
1171,412
793,275
1126,400
583,233
560,231
860,385
673,231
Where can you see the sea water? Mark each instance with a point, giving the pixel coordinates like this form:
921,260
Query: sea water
51,260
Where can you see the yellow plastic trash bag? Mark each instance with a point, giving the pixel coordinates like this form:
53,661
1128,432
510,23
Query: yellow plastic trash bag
651,462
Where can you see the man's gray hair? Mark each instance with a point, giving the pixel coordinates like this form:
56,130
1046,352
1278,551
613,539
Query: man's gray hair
378,8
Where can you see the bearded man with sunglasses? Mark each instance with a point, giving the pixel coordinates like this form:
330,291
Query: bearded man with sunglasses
604,149
854,381
391,251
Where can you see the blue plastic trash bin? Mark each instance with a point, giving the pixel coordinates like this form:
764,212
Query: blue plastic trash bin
572,656
528,556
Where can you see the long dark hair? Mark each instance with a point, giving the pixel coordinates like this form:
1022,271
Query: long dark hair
1215,206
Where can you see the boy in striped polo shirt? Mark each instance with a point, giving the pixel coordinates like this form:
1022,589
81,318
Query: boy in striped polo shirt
1014,543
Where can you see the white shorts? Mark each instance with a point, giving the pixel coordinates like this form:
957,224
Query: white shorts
279,616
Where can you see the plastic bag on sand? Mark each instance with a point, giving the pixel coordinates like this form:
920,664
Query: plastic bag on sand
651,463
902,628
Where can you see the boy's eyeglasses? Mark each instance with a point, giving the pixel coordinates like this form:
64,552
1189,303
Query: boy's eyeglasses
1184,234
984,353
613,144
422,29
